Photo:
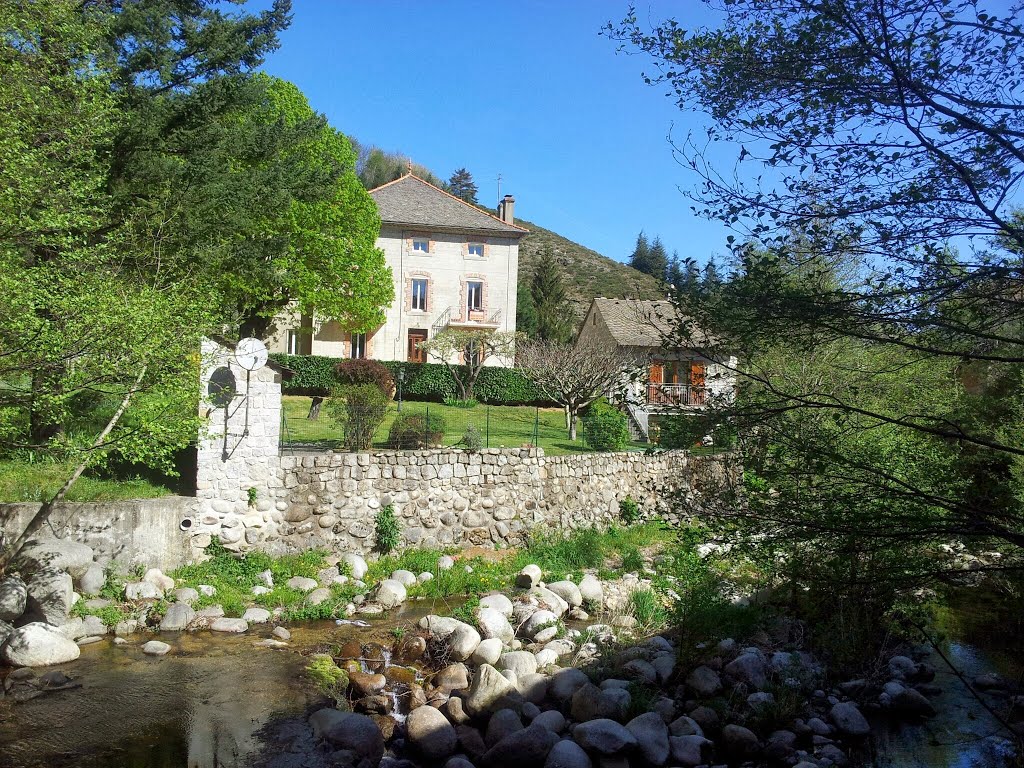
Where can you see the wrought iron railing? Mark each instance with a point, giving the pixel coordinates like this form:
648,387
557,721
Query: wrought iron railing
672,395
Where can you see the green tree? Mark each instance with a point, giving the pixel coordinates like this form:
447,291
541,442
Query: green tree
461,185
641,255
464,351
550,301
526,311
377,167
650,257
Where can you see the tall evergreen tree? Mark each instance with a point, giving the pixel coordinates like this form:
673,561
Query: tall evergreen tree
461,185
550,299
641,255
657,264
526,311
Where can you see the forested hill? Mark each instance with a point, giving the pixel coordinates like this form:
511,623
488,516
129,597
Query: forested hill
587,273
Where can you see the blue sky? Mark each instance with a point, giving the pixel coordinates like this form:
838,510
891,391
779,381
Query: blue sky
525,89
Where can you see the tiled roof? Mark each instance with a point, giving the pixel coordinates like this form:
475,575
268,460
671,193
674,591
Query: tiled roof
413,202
635,323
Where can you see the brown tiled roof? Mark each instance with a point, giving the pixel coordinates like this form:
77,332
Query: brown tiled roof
413,202
636,323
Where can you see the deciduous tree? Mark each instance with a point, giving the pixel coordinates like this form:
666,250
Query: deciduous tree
463,352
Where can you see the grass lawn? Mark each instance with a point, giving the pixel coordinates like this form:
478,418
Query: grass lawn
35,481
499,425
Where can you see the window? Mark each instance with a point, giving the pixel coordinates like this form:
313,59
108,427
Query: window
476,249
420,245
358,346
474,295
419,294
293,343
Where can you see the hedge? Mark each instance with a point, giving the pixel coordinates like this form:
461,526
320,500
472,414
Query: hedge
432,382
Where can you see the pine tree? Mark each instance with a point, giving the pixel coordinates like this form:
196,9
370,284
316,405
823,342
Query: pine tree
657,264
461,185
526,312
712,278
641,253
550,299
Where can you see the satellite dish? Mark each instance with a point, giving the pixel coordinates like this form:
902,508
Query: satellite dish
251,354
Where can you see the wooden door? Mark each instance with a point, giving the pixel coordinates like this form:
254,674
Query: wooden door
416,337
655,378
698,383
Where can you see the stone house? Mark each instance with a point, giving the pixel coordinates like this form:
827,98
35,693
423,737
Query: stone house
676,379
453,265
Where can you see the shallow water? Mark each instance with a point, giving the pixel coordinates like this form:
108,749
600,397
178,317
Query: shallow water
200,706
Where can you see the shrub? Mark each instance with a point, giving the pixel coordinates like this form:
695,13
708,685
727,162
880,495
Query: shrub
365,372
416,430
605,427
360,408
647,609
387,529
682,431
472,439
451,402
629,511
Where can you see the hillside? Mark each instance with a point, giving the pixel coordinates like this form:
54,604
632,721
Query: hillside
588,274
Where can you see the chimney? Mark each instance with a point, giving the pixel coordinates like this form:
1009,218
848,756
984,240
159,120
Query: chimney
506,209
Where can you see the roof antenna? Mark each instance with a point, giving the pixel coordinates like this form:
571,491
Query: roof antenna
499,187
408,166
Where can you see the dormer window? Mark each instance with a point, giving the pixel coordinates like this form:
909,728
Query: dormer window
476,249
420,245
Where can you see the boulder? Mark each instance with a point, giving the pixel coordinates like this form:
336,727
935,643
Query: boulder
592,592
349,731
685,726
690,750
503,723
142,590
487,652
186,595
54,592
390,593
652,735
912,703
157,578
549,600
177,618
902,667
488,687
463,642
739,742
355,565
565,682
539,621
430,733
605,737
748,668
318,596
494,624
704,682
664,665
5,631
848,719
13,597
405,578
553,720
533,687
38,645
520,662
92,581
527,748
781,746
499,603
61,554
439,627
367,683
257,616
445,563
281,633
546,657
638,669
567,754
568,592
302,583
472,742
529,577
591,703
156,648
229,625
454,677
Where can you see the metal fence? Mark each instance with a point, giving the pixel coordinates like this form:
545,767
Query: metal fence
417,425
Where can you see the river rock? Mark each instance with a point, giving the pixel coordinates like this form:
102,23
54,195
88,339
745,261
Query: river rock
913,703
902,667
691,750
503,723
748,668
567,754
439,627
157,578
318,596
281,633
849,720
494,624
13,597
142,590
156,648
638,669
549,600
54,591
740,742
60,554
488,687
186,595
463,642
546,657
256,616
527,748
405,578
92,581
568,592
664,665
685,726
592,592
355,564
606,737
499,603
565,682
529,577
38,645
390,593
454,677
430,733
445,563
302,583
704,682
177,618
591,703
652,735
229,625
5,631
537,623
781,746
487,652
552,719
519,662
349,731
367,683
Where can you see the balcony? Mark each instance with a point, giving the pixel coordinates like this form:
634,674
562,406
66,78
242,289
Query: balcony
676,396
477,318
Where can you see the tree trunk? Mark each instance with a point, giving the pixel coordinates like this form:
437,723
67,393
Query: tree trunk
573,420
47,507
314,408
565,410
